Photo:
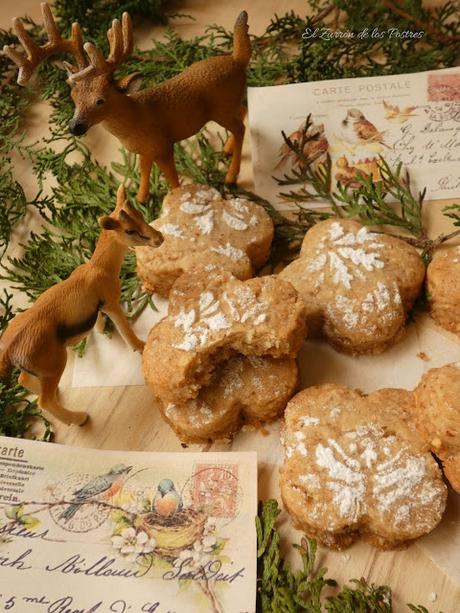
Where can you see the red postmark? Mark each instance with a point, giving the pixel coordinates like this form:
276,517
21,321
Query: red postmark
444,88
215,489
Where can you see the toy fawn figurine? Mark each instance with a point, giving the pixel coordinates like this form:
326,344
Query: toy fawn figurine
150,121
35,341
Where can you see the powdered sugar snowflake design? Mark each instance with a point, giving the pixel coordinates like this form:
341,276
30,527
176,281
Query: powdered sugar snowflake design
198,324
363,470
353,313
353,254
237,216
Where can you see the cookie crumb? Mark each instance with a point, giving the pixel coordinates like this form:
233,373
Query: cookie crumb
264,432
423,356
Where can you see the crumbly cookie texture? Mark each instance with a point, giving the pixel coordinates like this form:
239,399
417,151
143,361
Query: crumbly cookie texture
443,288
244,390
213,316
355,466
200,227
357,285
437,417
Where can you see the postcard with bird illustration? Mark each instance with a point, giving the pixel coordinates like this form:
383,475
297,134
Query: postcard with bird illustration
85,531
412,119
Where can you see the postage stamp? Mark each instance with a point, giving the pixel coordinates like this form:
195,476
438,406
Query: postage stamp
443,88
215,488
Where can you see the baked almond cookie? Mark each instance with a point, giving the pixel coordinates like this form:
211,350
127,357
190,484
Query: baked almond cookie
211,317
357,285
437,416
355,466
243,390
443,288
200,227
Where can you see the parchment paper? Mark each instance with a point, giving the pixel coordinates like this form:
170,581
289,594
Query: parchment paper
108,362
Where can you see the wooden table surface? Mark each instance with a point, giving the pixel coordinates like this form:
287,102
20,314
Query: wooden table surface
125,418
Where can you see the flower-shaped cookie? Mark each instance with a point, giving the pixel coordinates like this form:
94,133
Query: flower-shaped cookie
437,416
243,390
213,316
356,466
443,288
357,285
200,227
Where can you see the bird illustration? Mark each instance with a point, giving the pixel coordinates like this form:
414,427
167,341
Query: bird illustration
397,115
167,501
108,484
357,130
315,146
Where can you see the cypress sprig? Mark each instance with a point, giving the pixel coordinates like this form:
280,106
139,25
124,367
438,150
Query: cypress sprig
453,212
367,202
280,589
18,414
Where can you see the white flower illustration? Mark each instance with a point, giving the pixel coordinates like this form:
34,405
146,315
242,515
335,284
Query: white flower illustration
200,554
132,544
131,507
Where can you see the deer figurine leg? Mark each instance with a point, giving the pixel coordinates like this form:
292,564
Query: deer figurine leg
46,388
167,166
29,382
145,165
115,312
99,326
236,127
229,145
48,400
52,368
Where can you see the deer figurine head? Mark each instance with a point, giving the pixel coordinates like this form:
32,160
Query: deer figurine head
130,228
94,90
150,121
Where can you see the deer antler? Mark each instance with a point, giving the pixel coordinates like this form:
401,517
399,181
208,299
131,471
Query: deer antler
120,37
35,54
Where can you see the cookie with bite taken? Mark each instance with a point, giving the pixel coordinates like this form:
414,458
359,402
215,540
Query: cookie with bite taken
243,391
225,353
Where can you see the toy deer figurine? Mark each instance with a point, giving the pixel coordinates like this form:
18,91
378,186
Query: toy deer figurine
150,121
35,341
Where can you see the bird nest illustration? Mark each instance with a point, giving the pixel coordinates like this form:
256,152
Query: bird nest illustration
174,533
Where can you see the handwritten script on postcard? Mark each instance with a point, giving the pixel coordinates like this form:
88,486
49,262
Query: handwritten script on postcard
412,118
86,531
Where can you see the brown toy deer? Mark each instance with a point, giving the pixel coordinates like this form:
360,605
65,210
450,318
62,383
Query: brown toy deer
35,341
150,121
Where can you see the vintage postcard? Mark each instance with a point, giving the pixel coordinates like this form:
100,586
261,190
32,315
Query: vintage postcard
86,531
412,118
